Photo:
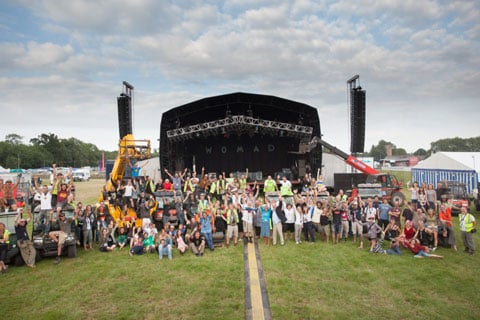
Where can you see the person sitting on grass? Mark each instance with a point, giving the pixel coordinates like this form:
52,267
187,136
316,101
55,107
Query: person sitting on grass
394,248
197,243
419,250
148,243
165,248
137,245
180,242
432,226
122,238
108,243
409,231
392,231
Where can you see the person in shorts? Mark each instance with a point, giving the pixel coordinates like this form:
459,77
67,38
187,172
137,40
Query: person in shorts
60,236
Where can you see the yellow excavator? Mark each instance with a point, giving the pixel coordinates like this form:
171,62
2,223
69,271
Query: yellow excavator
129,151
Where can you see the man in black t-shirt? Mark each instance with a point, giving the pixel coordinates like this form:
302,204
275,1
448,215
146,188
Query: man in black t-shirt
23,241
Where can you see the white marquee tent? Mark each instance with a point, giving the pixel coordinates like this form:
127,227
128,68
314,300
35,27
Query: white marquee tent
449,166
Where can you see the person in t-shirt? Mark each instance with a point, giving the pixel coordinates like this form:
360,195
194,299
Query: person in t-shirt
445,217
395,213
45,206
383,213
419,250
23,241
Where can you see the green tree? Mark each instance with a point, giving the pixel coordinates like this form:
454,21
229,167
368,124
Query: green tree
14,138
420,152
456,145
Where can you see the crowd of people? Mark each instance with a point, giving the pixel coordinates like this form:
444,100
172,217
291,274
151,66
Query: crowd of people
186,212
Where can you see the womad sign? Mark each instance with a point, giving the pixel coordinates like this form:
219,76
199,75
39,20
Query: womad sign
218,150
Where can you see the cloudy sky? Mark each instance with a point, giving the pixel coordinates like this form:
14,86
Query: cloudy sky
62,63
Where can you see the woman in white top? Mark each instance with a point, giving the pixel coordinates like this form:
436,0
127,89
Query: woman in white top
298,223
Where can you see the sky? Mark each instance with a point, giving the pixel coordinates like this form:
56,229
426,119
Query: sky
62,64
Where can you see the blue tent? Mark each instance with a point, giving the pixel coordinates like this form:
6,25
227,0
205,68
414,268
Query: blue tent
449,166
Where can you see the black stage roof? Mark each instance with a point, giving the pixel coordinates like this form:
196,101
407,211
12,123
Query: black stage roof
239,144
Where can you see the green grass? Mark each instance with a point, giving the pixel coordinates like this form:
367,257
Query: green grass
323,281
304,281
114,285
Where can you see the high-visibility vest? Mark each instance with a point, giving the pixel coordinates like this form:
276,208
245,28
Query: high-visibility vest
468,222
188,186
229,216
6,233
285,190
269,186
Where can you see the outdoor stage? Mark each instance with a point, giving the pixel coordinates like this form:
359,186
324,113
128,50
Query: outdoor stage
232,132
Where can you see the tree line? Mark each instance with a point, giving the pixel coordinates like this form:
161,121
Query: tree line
48,148
379,151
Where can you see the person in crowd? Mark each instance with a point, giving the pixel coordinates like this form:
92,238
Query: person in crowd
445,218
369,210
431,226
467,228
285,186
232,223
177,179
395,213
431,195
414,195
136,247
316,214
180,242
122,238
23,241
407,214
269,185
10,191
392,231
59,236
373,229
4,242
208,224
356,218
383,213
197,243
108,243
247,219
394,247
164,243
308,229
278,218
85,222
45,206
344,220
289,229
298,223
420,251
337,222
266,214
409,231
325,222
422,199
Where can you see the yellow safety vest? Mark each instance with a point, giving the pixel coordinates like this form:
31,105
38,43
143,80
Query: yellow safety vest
6,233
269,186
229,214
468,222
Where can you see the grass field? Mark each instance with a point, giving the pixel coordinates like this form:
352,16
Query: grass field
304,281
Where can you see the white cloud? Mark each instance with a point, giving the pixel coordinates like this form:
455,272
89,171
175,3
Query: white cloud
411,55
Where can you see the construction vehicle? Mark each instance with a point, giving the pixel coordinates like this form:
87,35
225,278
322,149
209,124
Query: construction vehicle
382,185
129,150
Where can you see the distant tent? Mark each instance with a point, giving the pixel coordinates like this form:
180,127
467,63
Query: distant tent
449,166
151,168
